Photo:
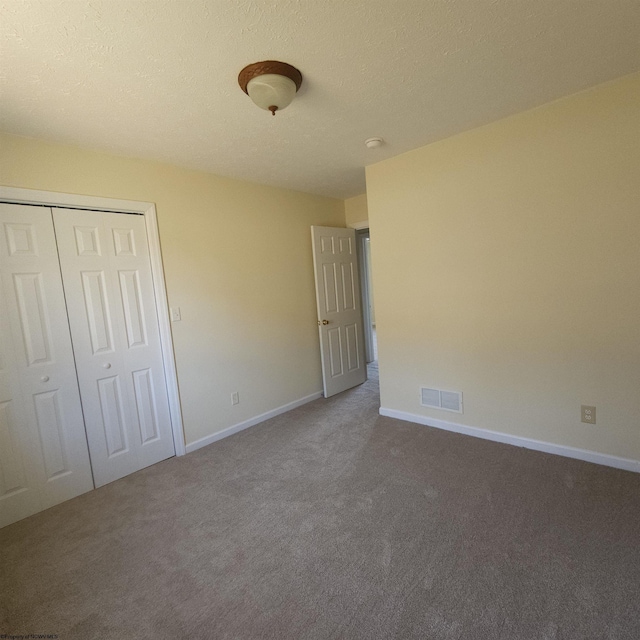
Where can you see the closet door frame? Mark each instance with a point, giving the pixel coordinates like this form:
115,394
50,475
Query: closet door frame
148,210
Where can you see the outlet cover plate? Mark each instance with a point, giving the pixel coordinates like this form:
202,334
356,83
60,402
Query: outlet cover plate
588,414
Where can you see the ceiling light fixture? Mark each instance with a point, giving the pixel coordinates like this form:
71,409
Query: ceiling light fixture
272,85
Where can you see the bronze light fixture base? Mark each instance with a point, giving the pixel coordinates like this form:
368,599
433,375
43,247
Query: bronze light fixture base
268,67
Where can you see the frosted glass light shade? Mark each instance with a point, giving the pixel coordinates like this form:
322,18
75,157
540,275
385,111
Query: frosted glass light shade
271,90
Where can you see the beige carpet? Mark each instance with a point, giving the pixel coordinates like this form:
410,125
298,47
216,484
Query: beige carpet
332,522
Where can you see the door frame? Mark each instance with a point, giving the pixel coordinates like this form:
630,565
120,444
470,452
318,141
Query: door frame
16,195
362,235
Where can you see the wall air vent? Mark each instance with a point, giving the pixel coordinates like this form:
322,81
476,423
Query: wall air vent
438,399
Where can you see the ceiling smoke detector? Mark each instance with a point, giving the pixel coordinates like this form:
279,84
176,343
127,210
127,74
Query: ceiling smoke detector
272,85
373,143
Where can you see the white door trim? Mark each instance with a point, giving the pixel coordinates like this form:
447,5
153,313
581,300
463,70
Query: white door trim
148,210
363,265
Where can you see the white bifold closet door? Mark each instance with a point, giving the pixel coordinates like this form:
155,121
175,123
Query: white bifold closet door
43,448
83,398
114,326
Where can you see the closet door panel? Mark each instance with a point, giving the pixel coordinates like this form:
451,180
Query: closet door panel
20,474
109,289
43,449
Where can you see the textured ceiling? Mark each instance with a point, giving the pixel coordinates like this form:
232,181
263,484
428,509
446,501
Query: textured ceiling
158,78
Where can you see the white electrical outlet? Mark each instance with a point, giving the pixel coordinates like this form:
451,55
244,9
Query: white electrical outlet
235,398
588,414
176,316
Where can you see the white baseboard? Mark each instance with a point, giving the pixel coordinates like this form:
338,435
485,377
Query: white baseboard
538,445
229,431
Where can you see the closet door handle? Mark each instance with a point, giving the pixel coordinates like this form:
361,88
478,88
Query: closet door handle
107,365
44,379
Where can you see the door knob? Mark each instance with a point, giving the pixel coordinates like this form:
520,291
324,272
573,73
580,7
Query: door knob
325,322
107,365
44,379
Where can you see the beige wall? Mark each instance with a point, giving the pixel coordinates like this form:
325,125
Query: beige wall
237,260
355,211
506,264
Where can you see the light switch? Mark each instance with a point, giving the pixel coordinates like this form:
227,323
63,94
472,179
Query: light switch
175,314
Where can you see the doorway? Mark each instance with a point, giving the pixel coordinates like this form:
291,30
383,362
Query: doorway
366,291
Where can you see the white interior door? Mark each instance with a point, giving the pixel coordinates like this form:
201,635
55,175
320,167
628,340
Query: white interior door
339,309
114,325
43,449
